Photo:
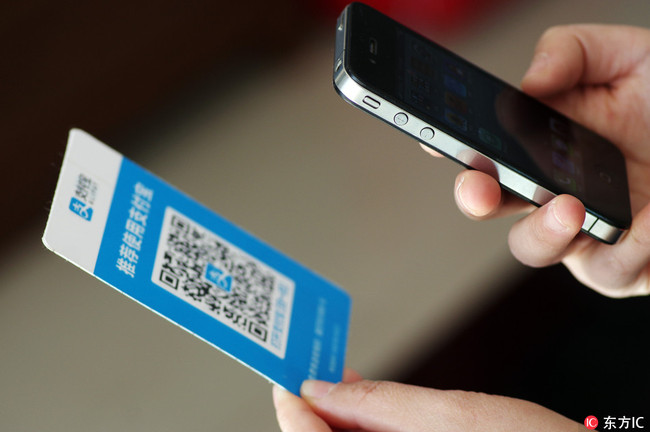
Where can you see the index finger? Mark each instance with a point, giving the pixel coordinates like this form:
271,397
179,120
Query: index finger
431,151
294,414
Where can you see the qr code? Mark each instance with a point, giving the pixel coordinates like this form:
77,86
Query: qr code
223,281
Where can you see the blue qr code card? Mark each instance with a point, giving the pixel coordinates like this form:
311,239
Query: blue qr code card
161,248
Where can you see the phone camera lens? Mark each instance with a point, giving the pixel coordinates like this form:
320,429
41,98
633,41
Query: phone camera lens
605,177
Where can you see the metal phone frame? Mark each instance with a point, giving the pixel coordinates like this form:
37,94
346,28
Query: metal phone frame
454,149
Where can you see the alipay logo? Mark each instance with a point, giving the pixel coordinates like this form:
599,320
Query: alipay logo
218,277
85,192
83,210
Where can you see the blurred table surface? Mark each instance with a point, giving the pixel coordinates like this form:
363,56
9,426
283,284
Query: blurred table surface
281,155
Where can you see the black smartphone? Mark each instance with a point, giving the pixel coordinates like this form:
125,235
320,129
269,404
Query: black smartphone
478,120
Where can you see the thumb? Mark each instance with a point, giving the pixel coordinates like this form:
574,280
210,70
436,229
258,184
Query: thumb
382,406
371,405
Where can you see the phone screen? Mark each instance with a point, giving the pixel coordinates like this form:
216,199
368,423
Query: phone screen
493,117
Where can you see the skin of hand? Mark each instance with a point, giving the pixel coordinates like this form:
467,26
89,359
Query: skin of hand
381,406
599,76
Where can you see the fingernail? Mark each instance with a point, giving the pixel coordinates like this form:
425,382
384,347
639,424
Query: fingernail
553,220
538,64
459,193
463,203
314,389
279,394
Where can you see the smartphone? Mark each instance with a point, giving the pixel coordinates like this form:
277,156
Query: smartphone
478,120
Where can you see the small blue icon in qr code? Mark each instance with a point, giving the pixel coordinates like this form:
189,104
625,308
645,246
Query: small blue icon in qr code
218,277
80,208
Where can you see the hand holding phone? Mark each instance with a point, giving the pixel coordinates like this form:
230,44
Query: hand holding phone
619,113
622,269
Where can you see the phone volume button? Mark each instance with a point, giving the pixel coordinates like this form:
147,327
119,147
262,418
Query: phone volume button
400,119
427,133
372,103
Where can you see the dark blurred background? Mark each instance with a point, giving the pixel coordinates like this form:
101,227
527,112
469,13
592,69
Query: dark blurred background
549,340
108,67
233,103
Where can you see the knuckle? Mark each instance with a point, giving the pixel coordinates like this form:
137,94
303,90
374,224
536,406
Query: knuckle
640,233
371,390
473,405
615,266
532,244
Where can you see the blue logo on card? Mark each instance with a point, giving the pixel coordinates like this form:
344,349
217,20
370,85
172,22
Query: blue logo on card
80,208
218,277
